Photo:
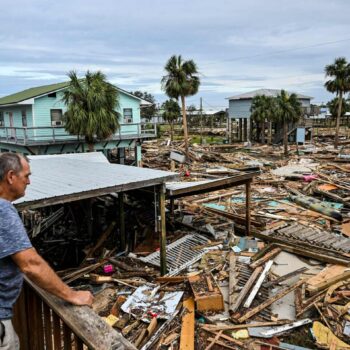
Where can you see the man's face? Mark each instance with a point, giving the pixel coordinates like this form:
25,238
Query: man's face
19,181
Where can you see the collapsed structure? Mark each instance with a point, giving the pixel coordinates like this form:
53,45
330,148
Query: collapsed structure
260,267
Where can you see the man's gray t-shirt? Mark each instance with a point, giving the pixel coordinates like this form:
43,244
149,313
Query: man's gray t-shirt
13,239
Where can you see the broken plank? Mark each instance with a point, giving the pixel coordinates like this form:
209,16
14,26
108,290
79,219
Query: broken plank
284,277
214,327
213,341
328,276
226,337
187,326
304,251
246,289
210,285
100,241
270,301
232,279
258,284
126,330
171,279
265,258
221,343
160,330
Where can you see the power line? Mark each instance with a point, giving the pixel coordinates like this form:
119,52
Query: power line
281,51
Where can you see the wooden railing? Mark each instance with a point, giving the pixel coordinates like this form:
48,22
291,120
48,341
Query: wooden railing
44,322
57,134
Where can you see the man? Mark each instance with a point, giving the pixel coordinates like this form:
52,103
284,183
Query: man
17,255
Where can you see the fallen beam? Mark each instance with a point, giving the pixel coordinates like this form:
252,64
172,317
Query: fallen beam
187,326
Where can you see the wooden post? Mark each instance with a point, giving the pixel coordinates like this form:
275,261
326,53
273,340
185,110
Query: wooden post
162,233
245,129
138,155
247,207
122,221
240,129
121,155
172,207
89,215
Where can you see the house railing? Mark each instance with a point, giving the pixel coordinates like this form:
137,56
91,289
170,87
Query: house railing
58,134
43,321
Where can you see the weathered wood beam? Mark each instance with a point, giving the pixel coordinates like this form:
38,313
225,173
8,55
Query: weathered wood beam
83,321
265,258
247,206
187,326
163,265
122,221
232,279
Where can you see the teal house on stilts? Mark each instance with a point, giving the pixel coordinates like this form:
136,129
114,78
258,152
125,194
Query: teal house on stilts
31,122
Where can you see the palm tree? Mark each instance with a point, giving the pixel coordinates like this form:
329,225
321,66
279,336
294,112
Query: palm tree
288,111
333,106
262,110
91,107
339,72
181,81
171,113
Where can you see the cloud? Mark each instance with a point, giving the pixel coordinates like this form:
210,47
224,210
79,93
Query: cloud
238,46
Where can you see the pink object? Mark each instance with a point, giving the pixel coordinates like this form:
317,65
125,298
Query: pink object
108,268
309,178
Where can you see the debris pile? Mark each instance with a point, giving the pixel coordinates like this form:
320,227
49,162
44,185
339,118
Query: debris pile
285,286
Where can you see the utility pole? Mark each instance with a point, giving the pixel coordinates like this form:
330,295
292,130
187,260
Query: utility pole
201,121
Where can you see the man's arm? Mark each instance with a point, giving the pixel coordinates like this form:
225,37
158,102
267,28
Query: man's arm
38,271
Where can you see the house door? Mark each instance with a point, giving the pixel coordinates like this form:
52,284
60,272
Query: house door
12,130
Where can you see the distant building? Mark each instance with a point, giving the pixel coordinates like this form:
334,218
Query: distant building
239,105
239,108
31,123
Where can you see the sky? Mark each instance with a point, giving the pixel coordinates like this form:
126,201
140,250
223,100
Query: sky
238,46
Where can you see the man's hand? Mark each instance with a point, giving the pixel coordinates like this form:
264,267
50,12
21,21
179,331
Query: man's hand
38,271
81,298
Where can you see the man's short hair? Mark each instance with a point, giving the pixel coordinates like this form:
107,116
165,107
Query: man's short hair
10,161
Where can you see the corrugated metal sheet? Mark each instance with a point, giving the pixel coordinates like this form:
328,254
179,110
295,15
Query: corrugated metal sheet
173,186
95,157
62,176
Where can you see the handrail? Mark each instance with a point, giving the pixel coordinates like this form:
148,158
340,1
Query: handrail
43,321
54,134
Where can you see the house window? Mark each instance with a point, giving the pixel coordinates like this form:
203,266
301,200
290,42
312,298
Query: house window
24,118
127,114
52,94
2,122
56,117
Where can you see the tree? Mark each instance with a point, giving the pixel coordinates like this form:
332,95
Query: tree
339,72
147,112
171,113
333,106
262,110
288,111
91,107
181,81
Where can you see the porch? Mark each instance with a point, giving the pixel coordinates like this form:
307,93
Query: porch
35,136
